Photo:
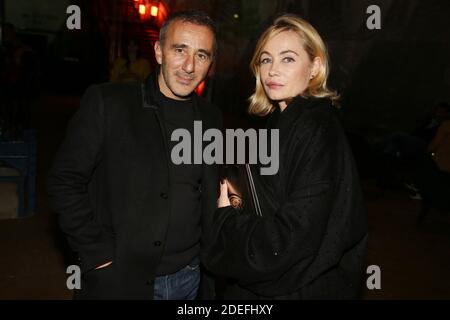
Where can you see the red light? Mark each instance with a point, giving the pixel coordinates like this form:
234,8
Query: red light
154,11
200,88
142,9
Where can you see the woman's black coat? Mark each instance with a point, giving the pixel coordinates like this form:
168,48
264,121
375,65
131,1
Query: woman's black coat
311,241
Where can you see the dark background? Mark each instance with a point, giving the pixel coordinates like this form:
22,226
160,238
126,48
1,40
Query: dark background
388,79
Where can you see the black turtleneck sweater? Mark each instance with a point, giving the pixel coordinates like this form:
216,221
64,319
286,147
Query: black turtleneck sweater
182,243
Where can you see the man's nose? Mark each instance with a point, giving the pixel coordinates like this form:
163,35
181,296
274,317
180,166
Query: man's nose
189,64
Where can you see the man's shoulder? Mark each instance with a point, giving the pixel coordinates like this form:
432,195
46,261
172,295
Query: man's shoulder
115,97
110,89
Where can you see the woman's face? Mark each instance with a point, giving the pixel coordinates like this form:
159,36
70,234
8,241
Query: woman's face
285,67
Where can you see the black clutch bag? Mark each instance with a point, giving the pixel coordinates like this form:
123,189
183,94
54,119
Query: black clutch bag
241,188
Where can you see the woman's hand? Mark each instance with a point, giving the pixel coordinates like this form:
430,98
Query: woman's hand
223,200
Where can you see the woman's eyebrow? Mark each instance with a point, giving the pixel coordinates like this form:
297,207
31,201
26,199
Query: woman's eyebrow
287,51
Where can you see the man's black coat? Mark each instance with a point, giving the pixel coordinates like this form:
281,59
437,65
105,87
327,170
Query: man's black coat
110,186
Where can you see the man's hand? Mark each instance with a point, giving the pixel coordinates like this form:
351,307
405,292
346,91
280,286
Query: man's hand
104,265
223,200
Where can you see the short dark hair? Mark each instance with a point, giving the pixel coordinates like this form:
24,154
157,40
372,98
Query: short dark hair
193,16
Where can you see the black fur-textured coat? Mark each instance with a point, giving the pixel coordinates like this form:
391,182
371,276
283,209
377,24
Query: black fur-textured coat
311,241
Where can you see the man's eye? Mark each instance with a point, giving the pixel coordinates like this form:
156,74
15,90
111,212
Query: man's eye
202,57
178,50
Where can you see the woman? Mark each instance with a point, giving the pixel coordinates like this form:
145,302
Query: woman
311,241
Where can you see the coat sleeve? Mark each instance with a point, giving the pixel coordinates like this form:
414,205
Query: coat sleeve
68,179
210,177
253,249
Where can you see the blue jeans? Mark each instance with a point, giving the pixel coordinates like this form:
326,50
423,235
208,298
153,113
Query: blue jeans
181,285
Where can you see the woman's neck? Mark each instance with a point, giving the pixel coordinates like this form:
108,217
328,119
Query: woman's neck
282,105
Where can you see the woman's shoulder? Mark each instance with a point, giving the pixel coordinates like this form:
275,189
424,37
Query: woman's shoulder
318,111
320,116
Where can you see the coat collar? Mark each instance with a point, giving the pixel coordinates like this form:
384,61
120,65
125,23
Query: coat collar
294,109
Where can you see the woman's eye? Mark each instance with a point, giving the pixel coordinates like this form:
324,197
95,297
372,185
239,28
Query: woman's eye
264,61
288,59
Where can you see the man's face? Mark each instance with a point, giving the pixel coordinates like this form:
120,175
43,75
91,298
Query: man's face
185,58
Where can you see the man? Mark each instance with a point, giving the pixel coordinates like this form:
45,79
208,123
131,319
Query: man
134,217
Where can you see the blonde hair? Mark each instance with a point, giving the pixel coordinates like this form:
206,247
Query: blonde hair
314,46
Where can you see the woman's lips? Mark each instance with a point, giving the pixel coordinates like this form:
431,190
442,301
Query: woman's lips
274,85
